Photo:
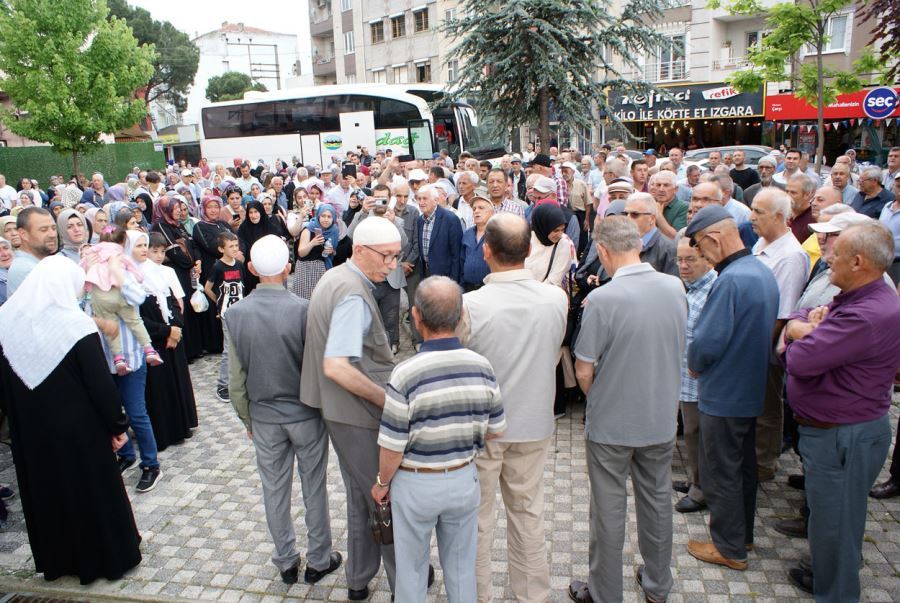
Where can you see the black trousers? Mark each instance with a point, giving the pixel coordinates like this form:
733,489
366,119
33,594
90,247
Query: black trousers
728,480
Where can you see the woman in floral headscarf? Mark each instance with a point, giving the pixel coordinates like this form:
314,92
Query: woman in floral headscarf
206,236
182,256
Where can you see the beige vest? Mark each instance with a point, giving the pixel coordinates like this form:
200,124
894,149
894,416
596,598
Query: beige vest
377,362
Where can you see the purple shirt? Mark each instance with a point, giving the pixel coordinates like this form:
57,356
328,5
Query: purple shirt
843,371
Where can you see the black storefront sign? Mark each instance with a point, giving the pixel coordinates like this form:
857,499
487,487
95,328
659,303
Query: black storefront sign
714,100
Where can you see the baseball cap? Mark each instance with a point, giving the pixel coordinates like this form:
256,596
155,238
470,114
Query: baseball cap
417,175
543,160
840,222
571,166
516,158
187,172
545,184
650,152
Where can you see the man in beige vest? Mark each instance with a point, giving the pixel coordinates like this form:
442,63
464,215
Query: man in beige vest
518,324
349,359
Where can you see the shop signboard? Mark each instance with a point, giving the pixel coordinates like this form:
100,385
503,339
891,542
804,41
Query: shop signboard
787,107
713,100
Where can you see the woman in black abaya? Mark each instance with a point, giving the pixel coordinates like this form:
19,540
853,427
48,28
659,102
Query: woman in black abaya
183,258
169,393
206,236
257,225
66,421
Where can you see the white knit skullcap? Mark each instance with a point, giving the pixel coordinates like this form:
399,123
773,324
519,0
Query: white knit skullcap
375,231
269,255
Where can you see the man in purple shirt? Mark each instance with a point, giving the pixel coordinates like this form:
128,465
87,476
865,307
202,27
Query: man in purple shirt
840,361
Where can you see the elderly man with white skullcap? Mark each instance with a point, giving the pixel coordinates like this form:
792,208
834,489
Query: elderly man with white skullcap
347,361
264,390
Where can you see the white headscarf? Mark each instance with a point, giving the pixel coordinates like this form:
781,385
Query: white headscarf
155,282
41,321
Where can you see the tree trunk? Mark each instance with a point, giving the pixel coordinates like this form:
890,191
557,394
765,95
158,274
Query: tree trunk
820,110
75,164
544,118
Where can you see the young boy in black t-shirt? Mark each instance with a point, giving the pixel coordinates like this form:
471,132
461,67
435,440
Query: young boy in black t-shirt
225,287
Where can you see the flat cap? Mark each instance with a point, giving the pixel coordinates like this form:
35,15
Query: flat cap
706,217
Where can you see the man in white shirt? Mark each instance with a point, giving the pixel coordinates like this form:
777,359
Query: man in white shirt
7,193
778,249
246,180
791,166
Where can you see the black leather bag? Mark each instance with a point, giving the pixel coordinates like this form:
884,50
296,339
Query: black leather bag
382,524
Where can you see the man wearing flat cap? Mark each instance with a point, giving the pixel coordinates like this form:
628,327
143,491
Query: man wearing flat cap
729,355
264,390
347,361
543,165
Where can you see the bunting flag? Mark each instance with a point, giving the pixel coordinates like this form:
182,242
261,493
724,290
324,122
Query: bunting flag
888,121
853,122
844,123
828,127
778,125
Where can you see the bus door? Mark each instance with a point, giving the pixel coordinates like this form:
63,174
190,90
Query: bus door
357,131
419,137
446,130
310,149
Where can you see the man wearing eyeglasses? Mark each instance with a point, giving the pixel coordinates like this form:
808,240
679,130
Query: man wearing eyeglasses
658,250
729,355
872,195
349,359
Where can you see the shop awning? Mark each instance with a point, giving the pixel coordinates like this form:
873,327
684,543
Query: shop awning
787,107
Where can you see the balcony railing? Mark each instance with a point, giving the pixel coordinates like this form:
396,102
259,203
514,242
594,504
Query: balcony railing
730,63
323,65
322,25
670,71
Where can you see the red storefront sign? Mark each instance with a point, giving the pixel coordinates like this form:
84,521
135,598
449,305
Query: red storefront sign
787,107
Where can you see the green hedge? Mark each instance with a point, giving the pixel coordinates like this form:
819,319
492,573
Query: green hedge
114,161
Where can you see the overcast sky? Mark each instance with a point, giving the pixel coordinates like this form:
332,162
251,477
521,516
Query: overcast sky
201,16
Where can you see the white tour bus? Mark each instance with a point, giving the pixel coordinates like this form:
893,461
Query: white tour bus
318,123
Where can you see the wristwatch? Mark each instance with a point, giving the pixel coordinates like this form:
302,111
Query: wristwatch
381,483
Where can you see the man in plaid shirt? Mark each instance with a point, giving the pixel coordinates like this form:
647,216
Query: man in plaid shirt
698,277
542,164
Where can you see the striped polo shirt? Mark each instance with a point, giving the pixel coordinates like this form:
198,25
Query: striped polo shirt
439,405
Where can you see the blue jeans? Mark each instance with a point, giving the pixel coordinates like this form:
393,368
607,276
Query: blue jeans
840,464
131,387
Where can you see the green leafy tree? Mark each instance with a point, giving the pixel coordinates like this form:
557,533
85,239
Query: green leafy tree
177,57
520,56
231,85
71,74
778,58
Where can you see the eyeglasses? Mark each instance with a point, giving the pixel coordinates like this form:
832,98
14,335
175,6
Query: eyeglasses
634,215
388,258
695,243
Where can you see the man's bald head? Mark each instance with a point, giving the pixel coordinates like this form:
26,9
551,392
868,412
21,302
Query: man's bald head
439,304
508,238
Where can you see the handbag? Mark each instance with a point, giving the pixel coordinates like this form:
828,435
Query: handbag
382,525
573,318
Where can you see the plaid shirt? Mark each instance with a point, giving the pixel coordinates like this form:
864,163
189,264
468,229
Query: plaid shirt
697,292
426,234
562,191
508,206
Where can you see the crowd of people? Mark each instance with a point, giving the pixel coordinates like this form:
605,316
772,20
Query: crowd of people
758,306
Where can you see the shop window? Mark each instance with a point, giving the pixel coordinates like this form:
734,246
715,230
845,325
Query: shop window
377,32
420,18
398,26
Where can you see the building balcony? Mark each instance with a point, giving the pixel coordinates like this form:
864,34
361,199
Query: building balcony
322,27
730,64
323,65
670,71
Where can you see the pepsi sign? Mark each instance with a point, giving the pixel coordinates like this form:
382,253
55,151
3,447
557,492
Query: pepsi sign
880,102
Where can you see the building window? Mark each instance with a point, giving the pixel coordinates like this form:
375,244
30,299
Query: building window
377,32
401,75
452,71
837,29
398,26
346,5
421,20
351,79
348,43
450,14
668,63
423,73
378,76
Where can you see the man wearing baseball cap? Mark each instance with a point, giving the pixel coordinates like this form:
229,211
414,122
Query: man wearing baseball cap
265,393
729,355
543,165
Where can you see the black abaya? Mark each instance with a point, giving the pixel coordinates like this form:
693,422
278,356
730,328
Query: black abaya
182,263
77,513
206,235
169,393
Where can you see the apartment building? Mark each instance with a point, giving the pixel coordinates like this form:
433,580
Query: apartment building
380,41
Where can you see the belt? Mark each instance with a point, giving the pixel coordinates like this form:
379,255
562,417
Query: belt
428,470
813,423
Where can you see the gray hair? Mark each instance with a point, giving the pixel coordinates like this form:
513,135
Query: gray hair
726,183
663,175
873,241
431,190
805,182
469,175
722,170
781,202
617,234
872,172
692,168
617,168
302,173
837,208
647,200
439,303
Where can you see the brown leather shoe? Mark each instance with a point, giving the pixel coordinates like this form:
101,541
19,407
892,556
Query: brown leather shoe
886,489
707,551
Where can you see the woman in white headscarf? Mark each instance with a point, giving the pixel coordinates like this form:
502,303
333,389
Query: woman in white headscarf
168,394
64,407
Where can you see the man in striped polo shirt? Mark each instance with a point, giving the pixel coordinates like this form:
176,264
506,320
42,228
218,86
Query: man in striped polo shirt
441,406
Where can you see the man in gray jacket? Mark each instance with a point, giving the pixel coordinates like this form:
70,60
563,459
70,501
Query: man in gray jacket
267,334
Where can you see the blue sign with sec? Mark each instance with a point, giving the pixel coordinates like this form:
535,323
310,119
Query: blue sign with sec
880,102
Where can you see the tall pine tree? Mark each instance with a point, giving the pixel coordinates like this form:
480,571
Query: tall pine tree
520,56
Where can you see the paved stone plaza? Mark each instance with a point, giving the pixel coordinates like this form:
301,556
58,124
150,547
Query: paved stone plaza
205,536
